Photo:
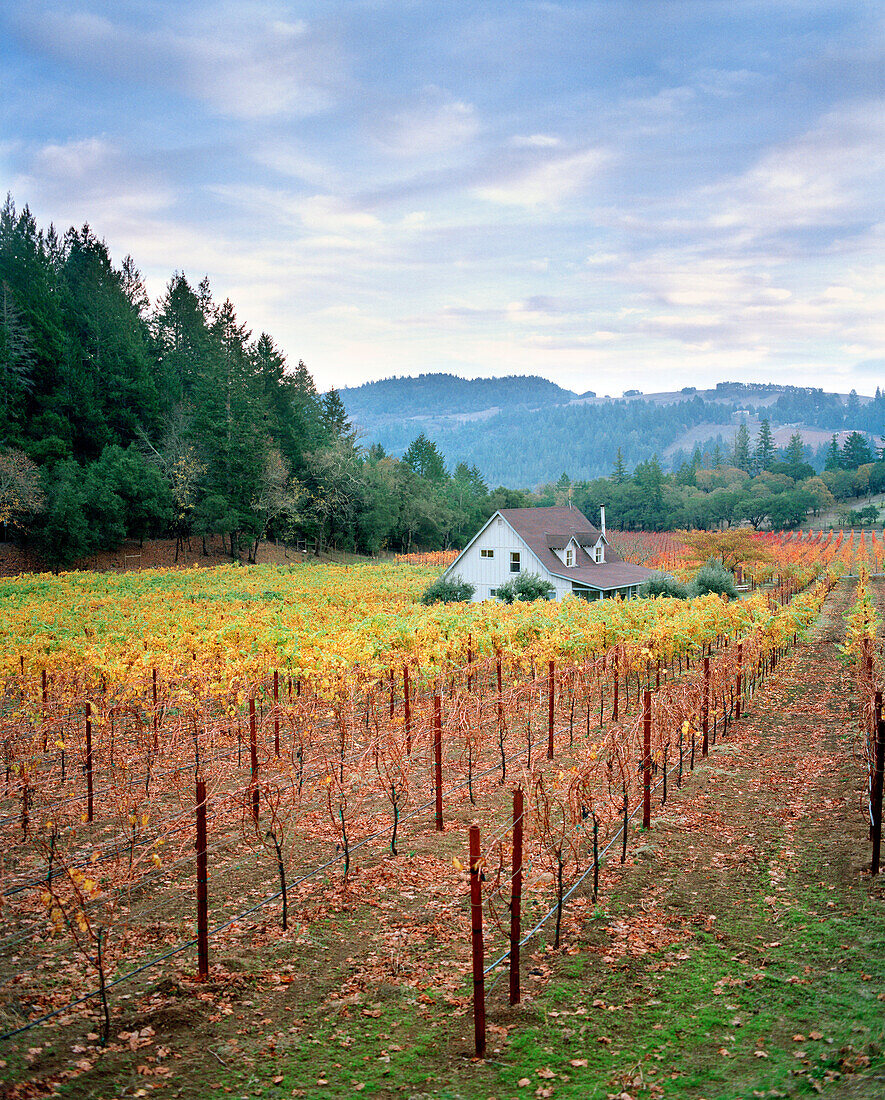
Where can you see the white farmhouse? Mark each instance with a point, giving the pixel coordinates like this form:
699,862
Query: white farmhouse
559,544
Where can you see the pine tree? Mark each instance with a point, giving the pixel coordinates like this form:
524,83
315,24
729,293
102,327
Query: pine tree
182,342
765,453
834,457
619,473
424,458
794,455
742,447
855,452
336,420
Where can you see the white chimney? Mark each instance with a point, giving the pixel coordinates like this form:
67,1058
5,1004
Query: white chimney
602,519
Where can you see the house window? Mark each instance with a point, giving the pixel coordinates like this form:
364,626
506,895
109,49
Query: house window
599,554
493,591
514,561
569,557
487,553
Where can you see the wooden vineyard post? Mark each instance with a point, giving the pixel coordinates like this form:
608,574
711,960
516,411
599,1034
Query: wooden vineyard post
740,682
89,795
25,802
626,823
615,703
202,885
407,710
646,760
479,992
516,895
45,685
469,662
392,705
437,760
876,788
253,757
276,713
705,718
551,688
156,716
500,704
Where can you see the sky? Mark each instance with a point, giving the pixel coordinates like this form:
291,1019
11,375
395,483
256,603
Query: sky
613,194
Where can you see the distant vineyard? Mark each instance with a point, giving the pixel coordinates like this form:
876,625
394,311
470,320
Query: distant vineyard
441,558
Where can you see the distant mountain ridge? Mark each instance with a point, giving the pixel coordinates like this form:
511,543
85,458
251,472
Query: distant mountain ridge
521,431
435,395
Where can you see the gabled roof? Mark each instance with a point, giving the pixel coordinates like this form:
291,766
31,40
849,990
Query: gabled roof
543,529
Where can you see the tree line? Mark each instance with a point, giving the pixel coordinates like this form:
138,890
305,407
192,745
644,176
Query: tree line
126,419
757,484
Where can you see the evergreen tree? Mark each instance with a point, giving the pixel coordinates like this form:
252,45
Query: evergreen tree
852,409
424,458
182,343
30,273
109,390
834,456
855,452
619,474
16,364
765,453
63,534
794,455
335,419
230,424
742,447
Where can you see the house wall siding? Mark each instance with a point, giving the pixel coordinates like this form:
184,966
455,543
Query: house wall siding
487,573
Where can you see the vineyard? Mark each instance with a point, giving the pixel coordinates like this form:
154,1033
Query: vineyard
202,769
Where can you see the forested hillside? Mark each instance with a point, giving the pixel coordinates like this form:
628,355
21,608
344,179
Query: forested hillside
529,435
431,395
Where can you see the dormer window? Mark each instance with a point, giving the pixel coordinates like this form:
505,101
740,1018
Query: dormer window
569,557
599,552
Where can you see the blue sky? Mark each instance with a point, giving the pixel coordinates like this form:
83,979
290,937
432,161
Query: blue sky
612,194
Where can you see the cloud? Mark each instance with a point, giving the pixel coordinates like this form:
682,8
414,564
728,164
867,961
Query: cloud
830,175
546,181
92,180
240,61
436,123
536,141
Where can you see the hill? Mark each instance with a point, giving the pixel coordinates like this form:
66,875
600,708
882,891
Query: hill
447,395
521,432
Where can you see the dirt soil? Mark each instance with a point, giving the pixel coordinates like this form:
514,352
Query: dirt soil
159,554
739,952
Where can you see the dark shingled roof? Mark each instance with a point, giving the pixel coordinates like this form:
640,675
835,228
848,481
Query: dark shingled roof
543,528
